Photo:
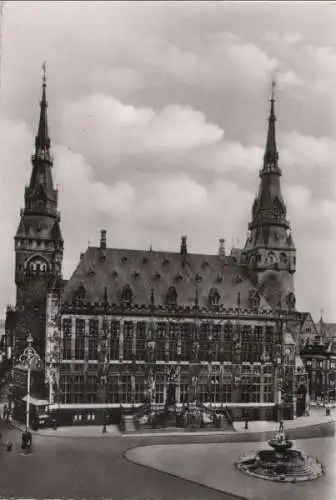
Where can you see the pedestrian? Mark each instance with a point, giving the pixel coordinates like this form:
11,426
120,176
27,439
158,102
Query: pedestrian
9,446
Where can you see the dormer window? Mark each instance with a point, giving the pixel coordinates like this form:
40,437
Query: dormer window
205,264
166,262
198,278
214,297
80,293
126,296
157,276
124,259
179,277
219,278
171,297
145,260
136,274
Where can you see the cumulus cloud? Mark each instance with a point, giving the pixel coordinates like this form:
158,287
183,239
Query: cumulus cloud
158,118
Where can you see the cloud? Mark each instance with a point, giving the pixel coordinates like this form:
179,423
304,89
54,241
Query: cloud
158,119
107,131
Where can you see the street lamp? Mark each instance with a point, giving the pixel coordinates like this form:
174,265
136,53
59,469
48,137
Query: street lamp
28,358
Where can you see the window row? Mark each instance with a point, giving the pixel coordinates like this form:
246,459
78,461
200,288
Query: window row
160,330
119,390
163,350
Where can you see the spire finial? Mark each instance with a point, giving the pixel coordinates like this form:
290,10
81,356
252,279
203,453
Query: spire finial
271,153
44,73
42,141
273,89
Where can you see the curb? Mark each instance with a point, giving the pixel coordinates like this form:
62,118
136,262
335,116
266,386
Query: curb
235,436
41,434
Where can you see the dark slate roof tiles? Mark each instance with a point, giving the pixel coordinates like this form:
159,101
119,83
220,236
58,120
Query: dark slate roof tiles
158,270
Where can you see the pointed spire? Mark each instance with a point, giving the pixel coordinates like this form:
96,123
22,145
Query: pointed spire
271,155
42,140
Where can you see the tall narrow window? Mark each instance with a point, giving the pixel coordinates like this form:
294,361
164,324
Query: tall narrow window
126,388
67,354
204,338
91,389
139,396
226,393
79,344
113,389
65,386
93,327
67,326
128,340
216,343
173,338
186,332
160,341
93,339
140,340
159,387
93,348
114,342
228,336
78,389
80,326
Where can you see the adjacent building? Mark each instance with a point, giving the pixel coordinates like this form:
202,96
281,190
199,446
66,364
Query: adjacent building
163,328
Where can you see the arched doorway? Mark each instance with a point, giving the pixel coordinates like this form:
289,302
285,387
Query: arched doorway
301,400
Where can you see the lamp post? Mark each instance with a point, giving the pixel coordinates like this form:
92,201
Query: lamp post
28,358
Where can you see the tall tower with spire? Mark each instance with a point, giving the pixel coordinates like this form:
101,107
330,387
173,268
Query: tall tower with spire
269,252
38,241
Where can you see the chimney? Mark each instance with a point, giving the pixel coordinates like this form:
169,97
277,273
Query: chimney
103,238
221,251
183,245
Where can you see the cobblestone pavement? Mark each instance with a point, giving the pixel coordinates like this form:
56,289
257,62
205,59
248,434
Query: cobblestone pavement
88,468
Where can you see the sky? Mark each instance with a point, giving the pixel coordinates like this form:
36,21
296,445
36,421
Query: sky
158,115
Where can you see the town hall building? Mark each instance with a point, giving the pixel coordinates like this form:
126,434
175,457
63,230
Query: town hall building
134,327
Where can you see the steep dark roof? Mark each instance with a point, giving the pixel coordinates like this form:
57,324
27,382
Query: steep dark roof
107,272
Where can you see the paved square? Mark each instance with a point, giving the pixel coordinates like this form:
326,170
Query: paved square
213,465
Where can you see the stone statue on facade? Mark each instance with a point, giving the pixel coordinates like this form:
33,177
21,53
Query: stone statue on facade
195,351
150,386
172,376
193,388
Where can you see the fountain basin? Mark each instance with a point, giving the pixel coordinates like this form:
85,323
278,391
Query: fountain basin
286,465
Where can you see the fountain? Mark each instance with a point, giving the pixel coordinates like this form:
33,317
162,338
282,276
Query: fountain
281,463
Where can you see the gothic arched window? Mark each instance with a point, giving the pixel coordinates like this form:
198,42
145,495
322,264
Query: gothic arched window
171,297
214,297
37,265
126,296
271,258
283,258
